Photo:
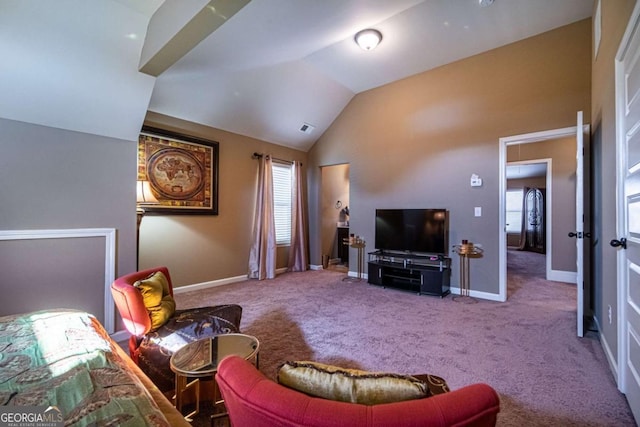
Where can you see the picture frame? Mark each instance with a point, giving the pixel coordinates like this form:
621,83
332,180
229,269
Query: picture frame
182,172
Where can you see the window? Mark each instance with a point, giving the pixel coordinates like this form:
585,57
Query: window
514,211
282,201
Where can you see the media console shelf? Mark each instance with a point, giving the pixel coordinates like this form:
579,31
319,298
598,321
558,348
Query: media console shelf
423,274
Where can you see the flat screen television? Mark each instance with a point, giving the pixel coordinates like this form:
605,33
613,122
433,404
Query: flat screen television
413,230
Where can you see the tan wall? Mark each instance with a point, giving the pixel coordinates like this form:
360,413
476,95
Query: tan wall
562,153
198,248
615,15
415,143
335,187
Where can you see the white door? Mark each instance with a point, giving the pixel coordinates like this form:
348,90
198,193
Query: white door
579,233
627,241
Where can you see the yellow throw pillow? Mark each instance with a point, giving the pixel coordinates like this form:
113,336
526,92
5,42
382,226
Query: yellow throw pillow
157,298
161,314
350,385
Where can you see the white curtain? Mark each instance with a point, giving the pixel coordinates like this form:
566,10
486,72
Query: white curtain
523,226
298,252
262,259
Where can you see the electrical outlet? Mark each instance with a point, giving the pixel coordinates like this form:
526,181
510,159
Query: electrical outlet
610,319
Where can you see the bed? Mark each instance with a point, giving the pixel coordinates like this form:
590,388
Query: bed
66,359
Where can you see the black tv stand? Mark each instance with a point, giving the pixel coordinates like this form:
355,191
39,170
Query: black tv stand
420,273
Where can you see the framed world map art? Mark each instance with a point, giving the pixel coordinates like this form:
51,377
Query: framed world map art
182,172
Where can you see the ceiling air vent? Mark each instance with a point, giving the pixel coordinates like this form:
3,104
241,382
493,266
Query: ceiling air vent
307,128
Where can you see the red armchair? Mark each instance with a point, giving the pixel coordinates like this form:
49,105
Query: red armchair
254,400
131,306
151,350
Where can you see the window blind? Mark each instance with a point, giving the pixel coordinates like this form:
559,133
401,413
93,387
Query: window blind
514,211
282,202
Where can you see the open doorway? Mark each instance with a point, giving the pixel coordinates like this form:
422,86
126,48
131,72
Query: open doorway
335,216
528,219
557,149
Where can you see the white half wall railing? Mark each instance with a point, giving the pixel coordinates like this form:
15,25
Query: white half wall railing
109,235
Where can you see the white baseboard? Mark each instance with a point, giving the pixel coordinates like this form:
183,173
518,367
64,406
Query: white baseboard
453,290
211,284
563,276
124,335
355,274
613,363
219,282
478,294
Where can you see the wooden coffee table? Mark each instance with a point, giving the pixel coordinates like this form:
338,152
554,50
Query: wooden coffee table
200,359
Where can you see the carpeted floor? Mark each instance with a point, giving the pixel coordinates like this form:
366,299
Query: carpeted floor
526,348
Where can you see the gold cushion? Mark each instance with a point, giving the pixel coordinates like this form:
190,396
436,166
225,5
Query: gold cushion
350,385
157,298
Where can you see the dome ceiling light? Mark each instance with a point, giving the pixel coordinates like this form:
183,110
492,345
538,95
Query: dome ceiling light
368,39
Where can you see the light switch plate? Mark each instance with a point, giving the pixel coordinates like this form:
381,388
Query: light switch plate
478,211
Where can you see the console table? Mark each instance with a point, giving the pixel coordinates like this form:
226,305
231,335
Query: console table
423,274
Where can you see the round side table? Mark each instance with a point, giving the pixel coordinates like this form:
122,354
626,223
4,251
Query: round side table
359,244
200,359
466,251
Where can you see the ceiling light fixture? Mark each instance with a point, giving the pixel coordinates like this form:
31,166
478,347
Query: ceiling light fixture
368,39
485,3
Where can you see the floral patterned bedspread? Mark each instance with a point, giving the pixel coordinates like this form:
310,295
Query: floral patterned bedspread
64,358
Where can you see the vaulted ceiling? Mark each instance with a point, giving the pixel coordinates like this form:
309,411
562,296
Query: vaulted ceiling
267,70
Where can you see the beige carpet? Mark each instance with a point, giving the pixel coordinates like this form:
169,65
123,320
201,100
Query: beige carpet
525,348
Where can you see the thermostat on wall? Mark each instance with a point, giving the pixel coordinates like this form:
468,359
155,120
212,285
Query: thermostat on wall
476,181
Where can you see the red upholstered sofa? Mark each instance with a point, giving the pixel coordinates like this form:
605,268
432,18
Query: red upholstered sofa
254,400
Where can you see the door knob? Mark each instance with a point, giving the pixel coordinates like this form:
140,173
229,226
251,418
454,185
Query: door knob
579,234
616,243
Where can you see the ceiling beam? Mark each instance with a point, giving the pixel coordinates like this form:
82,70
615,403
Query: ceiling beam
178,26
